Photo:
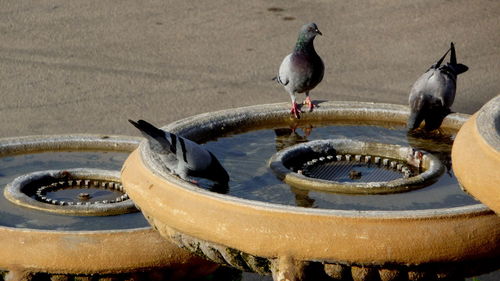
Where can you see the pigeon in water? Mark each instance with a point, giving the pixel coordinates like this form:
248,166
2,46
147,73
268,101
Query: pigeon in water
433,93
303,69
181,156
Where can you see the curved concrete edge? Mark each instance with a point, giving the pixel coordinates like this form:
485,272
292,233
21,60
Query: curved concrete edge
36,143
476,165
267,230
268,115
488,123
91,252
286,267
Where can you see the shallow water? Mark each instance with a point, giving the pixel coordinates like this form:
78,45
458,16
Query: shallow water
83,195
245,156
12,215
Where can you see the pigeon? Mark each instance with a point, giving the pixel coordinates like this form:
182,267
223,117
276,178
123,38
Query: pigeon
303,69
433,93
181,156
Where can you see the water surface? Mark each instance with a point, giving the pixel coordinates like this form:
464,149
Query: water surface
12,215
245,155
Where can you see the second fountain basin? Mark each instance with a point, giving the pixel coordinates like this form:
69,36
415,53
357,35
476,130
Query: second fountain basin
264,237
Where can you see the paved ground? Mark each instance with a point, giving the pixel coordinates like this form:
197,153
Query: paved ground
87,66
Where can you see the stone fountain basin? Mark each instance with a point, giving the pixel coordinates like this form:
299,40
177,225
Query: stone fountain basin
479,138
263,237
28,250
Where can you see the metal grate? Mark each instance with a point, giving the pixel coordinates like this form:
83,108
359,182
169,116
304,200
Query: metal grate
81,192
354,167
351,172
360,168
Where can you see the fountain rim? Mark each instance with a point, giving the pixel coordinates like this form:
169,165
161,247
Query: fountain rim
60,232
60,142
487,120
280,110
479,138
151,249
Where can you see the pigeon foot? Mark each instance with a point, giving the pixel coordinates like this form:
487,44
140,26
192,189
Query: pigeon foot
295,110
309,103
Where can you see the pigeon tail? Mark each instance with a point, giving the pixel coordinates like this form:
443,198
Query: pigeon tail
457,67
151,132
438,63
453,56
277,79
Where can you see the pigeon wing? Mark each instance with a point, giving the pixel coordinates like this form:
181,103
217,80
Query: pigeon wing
193,156
284,71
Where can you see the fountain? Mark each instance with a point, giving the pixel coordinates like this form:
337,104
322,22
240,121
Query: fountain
479,138
64,214
418,225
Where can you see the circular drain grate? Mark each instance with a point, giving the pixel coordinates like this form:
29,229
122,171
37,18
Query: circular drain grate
357,168
89,192
354,167
81,192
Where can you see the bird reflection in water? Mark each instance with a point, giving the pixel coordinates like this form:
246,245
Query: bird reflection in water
286,137
437,142
222,188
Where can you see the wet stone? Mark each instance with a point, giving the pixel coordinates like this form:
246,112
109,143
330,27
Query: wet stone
338,271
84,196
368,159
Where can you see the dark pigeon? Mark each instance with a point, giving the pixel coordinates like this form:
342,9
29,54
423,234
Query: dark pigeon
303,69
434,92
181,156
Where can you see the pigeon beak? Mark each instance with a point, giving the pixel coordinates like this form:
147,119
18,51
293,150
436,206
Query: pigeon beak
318,32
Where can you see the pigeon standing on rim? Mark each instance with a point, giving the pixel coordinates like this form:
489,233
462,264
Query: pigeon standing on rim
181,156
434,92
303,69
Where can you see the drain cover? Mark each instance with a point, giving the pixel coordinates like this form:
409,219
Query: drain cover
91,192
81,192
355,167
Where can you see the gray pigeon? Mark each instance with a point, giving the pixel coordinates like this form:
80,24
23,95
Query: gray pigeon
303,69
433,93
181,156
